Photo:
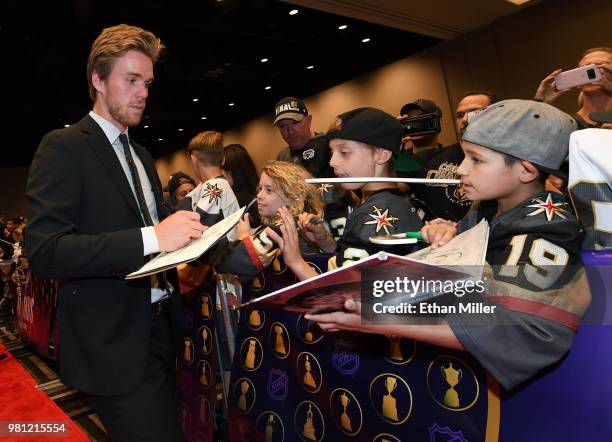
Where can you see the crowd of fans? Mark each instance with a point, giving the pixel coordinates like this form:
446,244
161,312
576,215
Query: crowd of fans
11,246
499,172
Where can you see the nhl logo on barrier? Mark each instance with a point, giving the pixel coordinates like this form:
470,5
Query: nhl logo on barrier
278,385
344,358
435,431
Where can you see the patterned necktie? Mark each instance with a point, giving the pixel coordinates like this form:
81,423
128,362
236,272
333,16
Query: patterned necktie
144,210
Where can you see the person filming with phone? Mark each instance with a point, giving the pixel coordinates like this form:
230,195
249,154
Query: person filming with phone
423,156
593,77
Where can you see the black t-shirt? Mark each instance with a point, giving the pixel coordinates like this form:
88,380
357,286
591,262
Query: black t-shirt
314,156
447,201
385,212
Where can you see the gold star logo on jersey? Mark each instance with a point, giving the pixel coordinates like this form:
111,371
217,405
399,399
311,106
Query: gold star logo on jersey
382,219
547,206
324,188
213,193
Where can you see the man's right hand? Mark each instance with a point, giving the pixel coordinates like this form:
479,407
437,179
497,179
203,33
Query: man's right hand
547,91
178,230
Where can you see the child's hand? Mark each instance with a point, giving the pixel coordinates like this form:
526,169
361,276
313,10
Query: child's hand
243,228
438,232
289,245
316,232
349,320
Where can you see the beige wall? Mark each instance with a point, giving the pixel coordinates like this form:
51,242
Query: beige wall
509,57
513,55
388,88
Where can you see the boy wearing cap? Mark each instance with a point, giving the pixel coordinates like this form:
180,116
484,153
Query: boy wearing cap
509,148
363,143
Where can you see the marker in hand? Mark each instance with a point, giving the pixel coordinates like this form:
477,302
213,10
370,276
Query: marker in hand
398,238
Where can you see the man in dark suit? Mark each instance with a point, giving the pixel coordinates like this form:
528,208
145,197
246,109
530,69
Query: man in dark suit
95,203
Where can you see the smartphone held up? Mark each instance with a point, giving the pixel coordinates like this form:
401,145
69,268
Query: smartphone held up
577,77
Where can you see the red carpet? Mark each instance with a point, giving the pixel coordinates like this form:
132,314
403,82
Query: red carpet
21,401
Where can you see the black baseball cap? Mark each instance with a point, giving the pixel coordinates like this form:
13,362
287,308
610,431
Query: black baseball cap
291,108
422,104
176,179
370,126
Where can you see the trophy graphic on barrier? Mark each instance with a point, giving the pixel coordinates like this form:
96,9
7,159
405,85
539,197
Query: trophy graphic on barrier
279,343
345,421
389,403
242,400
309,431
270,429
187,352
249,361
204,338
205,306
452,376
255,318
395,351
308,378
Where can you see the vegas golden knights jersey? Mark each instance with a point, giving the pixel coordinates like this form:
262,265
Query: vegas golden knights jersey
213,200
539,291
385,212
590,184
541,232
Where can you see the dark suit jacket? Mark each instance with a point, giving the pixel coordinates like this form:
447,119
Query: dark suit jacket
84,229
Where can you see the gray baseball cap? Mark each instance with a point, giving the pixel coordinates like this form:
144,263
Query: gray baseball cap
526,129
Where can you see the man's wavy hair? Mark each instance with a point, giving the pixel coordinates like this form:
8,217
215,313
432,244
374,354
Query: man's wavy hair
113,43
289,178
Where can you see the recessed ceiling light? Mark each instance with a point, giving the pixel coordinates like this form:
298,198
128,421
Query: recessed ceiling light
342,27
293,12
268,88
310,67
160,139
146,127
66,125
365,40
180,130
231,104
203,118
518,2
196,99
263,60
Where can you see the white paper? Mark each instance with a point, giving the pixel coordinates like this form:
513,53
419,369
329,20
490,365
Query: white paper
466,252
191,251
